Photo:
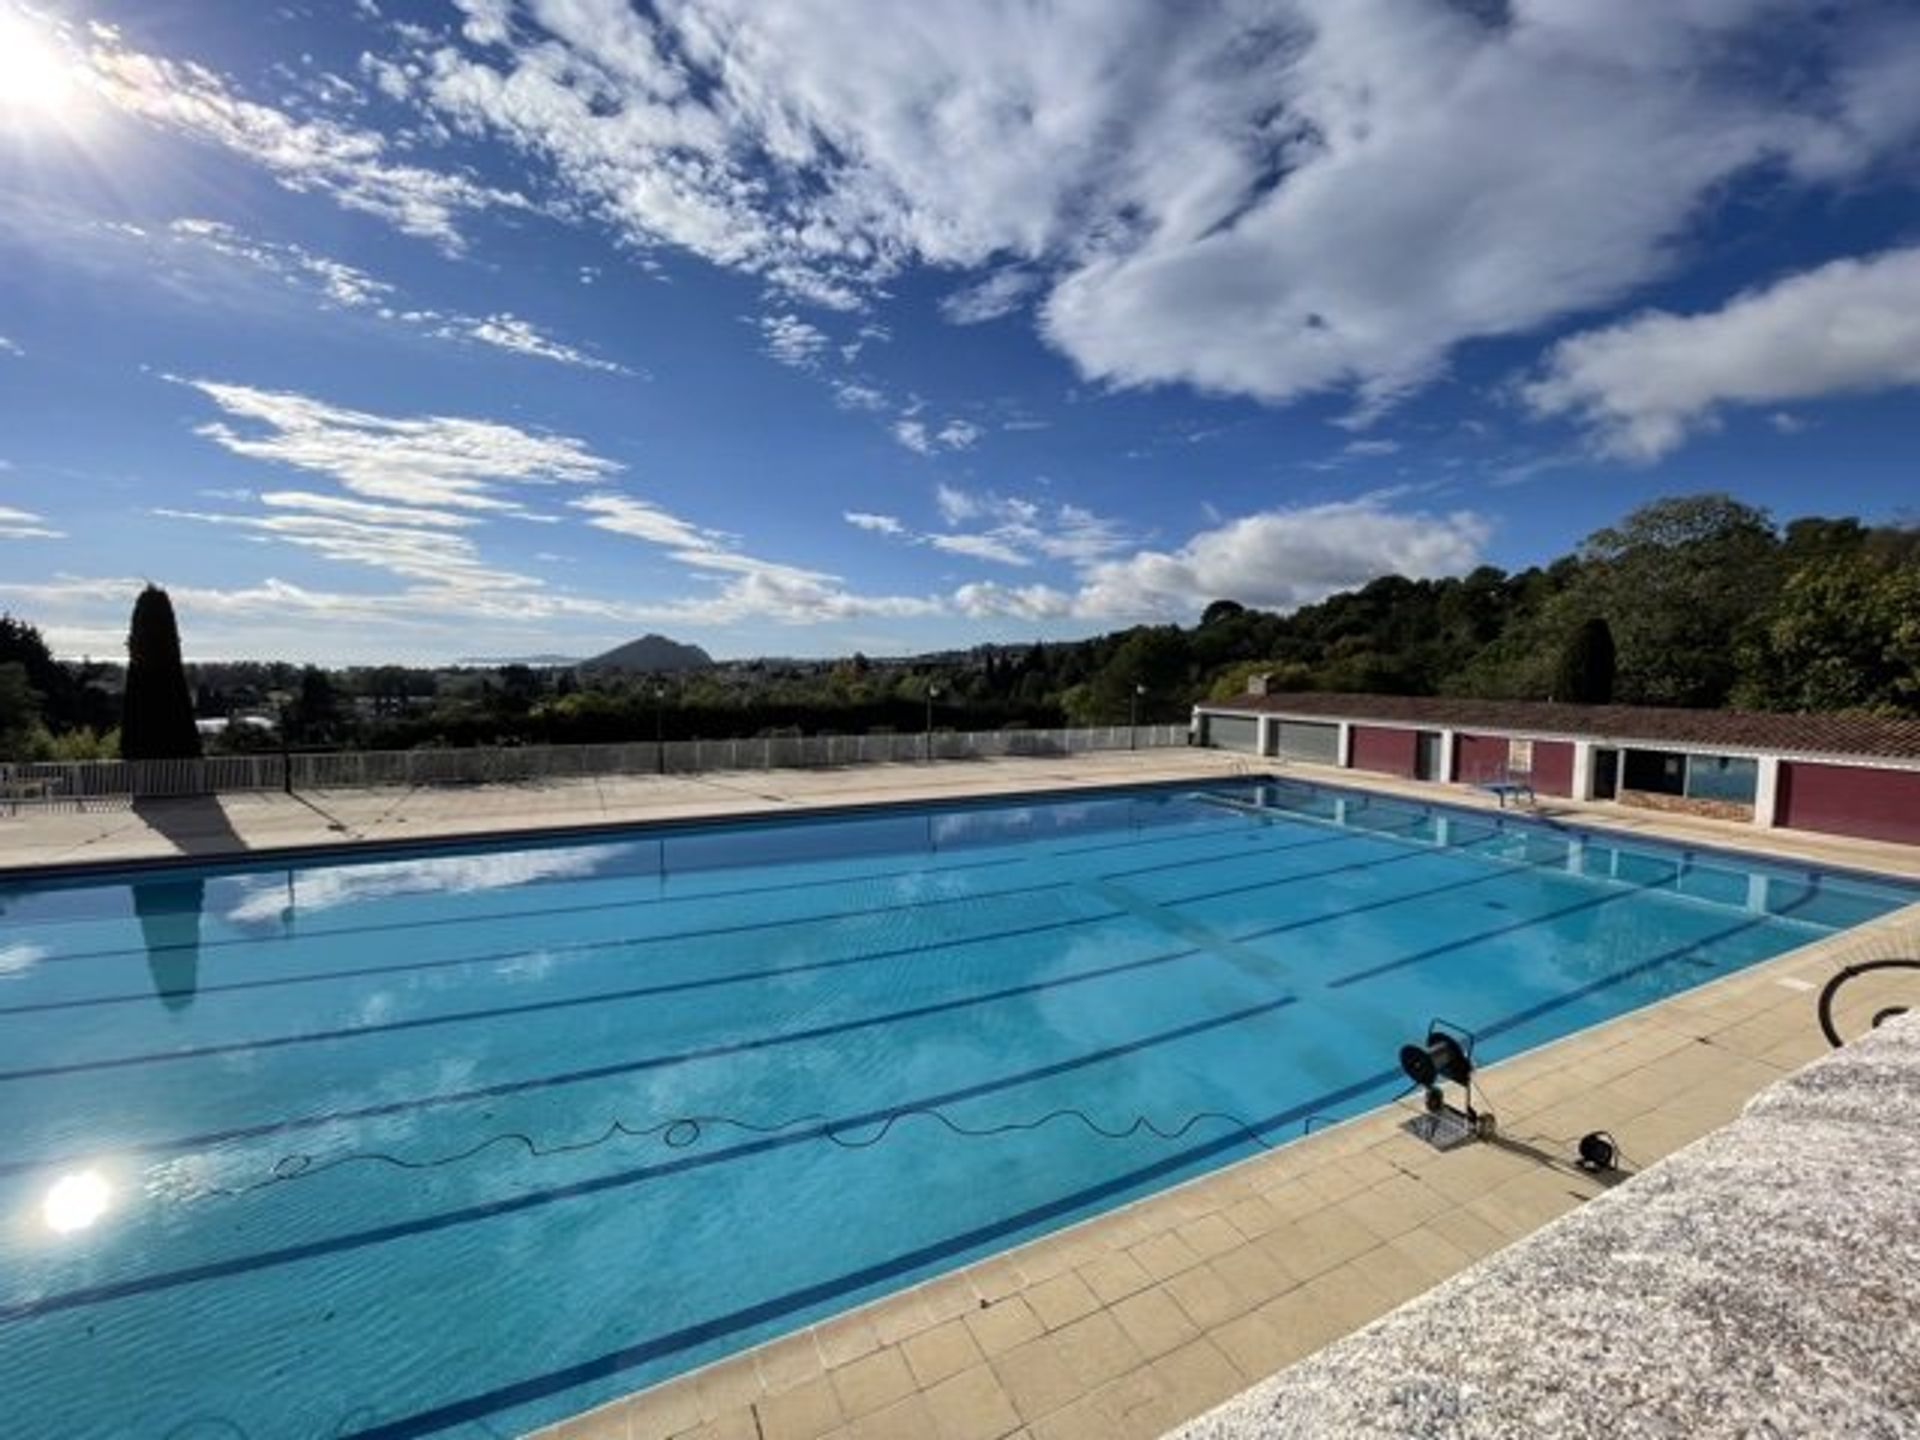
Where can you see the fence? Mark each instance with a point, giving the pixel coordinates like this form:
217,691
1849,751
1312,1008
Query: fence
352,769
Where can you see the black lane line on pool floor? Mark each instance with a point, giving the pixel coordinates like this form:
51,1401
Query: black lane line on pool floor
419,1022
595,1072
574,947
613,1362
315,936
554,1382
600,1072
547,912
427,1224
1434,952
220,1269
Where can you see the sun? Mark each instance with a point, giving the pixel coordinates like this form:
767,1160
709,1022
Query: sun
36,79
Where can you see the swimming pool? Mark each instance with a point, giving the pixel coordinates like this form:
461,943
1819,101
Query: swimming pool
270,1127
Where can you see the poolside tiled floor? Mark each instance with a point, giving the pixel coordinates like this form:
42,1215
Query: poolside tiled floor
1128,1324
1132,1322
225,825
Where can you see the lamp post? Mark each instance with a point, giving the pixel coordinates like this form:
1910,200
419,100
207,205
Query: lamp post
1133,717
659,729
933,693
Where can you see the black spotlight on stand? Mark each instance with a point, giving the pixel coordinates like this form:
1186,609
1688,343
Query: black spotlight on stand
1447,1055
1598,1151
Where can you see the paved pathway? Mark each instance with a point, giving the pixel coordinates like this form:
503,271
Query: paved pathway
1761,1282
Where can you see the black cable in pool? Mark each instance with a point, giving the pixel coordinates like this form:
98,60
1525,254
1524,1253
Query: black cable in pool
685,1130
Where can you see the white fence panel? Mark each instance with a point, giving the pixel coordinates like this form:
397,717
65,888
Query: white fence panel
28,782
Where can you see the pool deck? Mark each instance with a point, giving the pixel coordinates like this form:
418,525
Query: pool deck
1723,1293
1138,1320
107,832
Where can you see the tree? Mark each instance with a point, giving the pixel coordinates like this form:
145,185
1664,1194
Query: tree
22,645
315,713
1681,582
1841,637
1221,610
19,712
157,721
1585,675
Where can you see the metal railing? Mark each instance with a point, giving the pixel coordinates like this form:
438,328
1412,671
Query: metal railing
37,782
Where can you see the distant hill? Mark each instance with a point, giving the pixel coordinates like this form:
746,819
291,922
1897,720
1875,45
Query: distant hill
652,653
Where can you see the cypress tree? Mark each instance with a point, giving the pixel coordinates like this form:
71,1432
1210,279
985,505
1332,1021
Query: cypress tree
157,722
1585,674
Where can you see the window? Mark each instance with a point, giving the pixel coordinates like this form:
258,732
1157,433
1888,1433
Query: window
1732,778
1722,777
1662,772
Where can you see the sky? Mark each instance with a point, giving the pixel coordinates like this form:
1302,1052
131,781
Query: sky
384,331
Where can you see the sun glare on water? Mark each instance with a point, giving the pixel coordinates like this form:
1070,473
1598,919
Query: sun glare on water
75,1201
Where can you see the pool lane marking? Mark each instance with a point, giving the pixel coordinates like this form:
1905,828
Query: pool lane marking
599,1072
621,1179
497,957
490,917
420,1022
219,1269
628,1357
1435,951
457,1017
1187,835
1263,968
599,1367
499,1088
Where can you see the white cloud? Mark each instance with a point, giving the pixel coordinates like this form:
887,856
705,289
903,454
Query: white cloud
430,460
351,165
986,599
343,284
792,341
1019,532
1001,293
341,506
419,551
353,288
921,438
958,506
958,434
1371,448
979,547
849,395
752,588
1260,200
7,347
1645,384
25,525
1280,559
509,332
641,520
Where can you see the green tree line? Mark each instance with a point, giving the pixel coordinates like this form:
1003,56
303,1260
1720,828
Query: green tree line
1698,601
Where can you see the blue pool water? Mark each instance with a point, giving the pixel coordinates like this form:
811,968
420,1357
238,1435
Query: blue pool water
195,1065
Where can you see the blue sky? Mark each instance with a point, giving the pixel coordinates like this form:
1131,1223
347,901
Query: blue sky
416,331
